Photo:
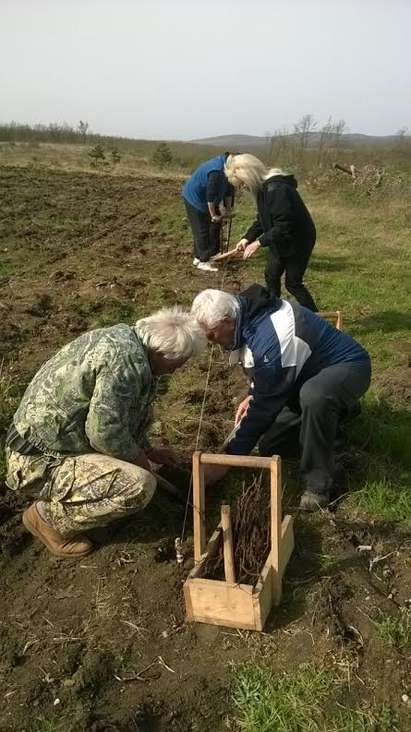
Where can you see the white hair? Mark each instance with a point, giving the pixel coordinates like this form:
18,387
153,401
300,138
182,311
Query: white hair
212,306
248,170
172,332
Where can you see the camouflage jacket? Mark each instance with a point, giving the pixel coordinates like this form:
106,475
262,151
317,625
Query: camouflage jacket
94,395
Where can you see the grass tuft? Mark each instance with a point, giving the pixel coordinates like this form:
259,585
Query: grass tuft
395,631
268,702
301,701
382,719
383,499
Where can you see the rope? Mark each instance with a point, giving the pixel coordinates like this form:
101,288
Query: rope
210,361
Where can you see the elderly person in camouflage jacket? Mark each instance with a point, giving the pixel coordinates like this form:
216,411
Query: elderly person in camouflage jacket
78,441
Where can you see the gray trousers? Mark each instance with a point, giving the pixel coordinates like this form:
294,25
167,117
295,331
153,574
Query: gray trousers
313,425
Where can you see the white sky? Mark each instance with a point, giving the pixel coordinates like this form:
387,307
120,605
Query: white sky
188,68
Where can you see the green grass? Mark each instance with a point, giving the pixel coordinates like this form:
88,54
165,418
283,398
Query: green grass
304,700
384,429
269,702
382,719
395,631
383,499
47,725
7,268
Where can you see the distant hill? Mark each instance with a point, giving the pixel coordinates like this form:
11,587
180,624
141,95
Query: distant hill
247,142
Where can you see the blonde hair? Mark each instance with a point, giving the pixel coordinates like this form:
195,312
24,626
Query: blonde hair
172,332
246,169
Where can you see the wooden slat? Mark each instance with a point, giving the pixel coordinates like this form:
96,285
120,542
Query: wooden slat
198,508
275,509
211,551
228,549
263,598
287,543
220,603
234,461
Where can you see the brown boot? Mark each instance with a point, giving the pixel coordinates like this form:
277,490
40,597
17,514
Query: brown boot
60,546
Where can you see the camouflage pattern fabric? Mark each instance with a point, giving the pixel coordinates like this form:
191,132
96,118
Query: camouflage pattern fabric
95,394
80,492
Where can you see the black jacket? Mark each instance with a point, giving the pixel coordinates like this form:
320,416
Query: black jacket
283,220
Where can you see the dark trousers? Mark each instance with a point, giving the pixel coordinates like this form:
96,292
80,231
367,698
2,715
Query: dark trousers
313,425
206,234
294,267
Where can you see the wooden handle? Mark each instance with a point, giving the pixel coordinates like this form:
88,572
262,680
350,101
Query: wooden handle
332,315
226,255
229,567
198,508
235,461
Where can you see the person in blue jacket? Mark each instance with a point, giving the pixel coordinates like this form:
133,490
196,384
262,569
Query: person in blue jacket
305,377
208,198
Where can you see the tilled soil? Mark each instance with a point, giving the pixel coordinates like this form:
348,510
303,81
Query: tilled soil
102,644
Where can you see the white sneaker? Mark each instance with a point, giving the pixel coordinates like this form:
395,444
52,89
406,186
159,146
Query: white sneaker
196,261
207,267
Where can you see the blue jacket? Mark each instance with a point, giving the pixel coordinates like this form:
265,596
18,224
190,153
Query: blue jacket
195,188
280,346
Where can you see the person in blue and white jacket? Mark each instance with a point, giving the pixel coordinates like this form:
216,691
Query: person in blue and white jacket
305,377
208,199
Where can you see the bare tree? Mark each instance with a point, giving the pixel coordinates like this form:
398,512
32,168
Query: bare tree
340,129
402,138
325,141
83,128
304,129
269,137
280,146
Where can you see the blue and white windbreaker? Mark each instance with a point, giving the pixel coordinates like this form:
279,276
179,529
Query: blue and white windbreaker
280,346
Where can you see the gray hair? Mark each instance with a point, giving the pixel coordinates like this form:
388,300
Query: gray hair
248,170
212,306
172,332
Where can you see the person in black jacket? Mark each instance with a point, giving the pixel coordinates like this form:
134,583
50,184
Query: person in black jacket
283,225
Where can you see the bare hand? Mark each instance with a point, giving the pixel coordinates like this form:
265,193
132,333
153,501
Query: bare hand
162,456
241,245
242,410
214,473
251,249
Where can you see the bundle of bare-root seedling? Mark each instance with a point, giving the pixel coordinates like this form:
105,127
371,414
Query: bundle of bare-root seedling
251,538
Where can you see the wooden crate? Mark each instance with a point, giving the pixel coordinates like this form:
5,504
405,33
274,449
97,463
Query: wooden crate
219,602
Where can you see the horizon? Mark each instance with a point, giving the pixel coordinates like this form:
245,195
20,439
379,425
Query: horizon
74,127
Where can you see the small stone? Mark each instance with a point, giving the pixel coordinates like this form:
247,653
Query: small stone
164,634
68,683
56,702
405,698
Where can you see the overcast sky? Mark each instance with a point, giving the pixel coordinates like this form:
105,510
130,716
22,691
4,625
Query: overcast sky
181,69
